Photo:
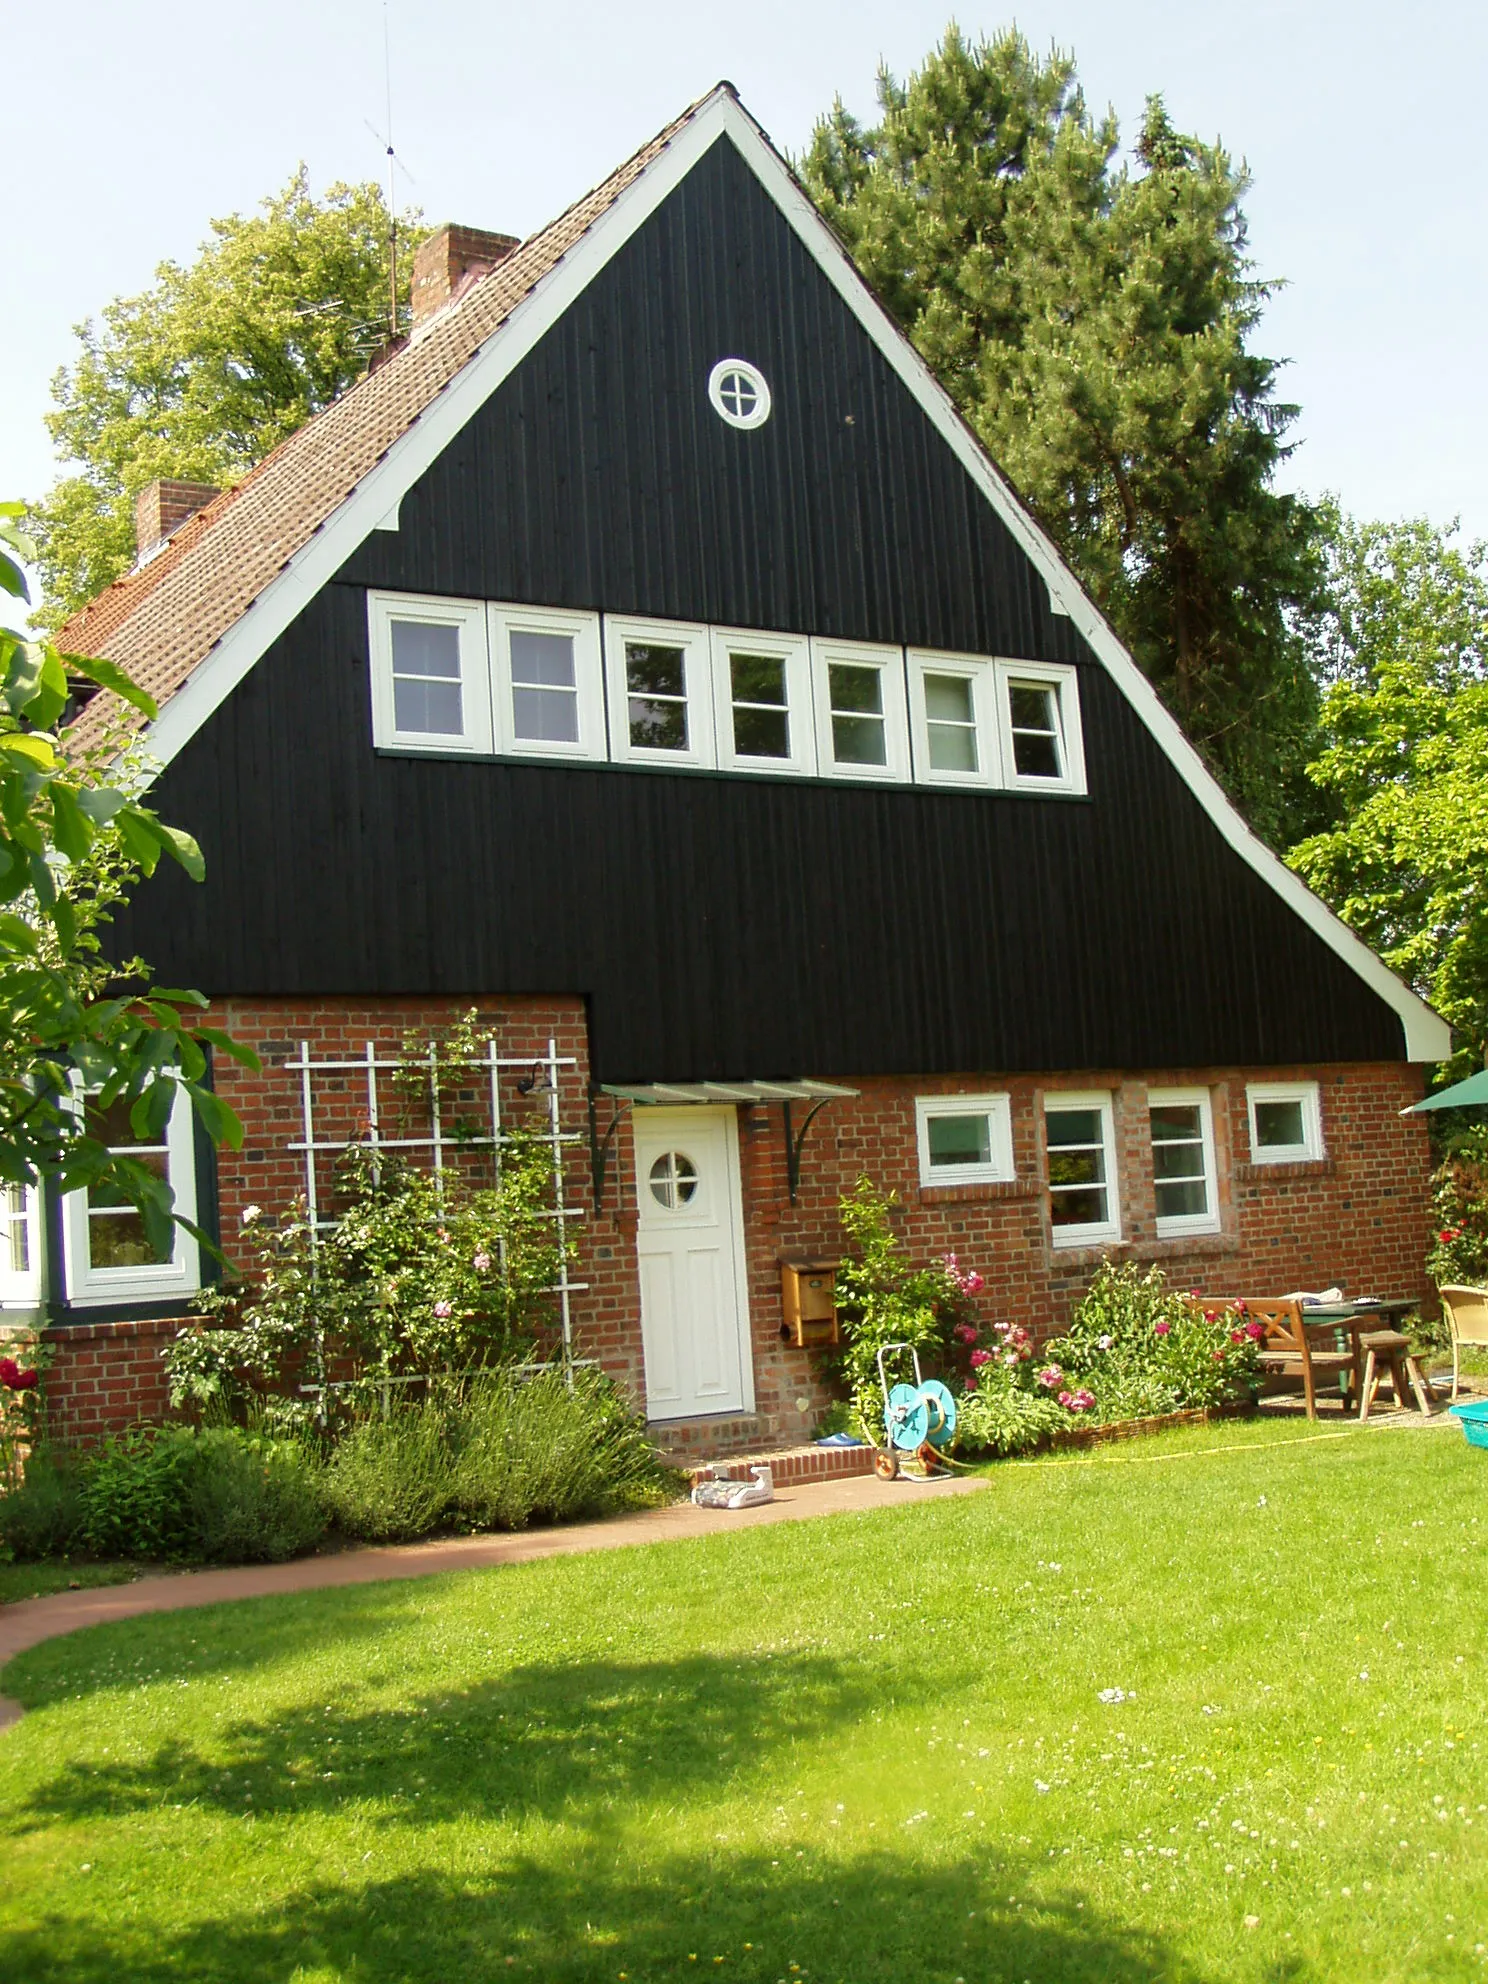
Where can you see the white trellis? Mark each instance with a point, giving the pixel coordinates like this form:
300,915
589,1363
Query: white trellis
543,1073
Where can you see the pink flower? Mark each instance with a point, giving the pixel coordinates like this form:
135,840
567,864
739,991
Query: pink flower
1011,1356
1080,1401
1237,1336
1238,1305
971,1383
1066,1399
979,1357
965,1332
443,1310
1161,1329
1051,1377
973,1283
1255,1331
1018,1335
482,1261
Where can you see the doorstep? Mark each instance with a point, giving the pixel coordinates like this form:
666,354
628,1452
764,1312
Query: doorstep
685,1442
795,1464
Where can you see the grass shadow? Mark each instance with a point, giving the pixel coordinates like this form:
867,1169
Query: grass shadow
867,1919
575,1742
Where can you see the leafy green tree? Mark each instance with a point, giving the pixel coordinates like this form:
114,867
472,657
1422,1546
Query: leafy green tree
1404,759
203,374
73,839
1093,322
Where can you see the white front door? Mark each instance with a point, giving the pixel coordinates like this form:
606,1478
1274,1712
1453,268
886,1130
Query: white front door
690,1237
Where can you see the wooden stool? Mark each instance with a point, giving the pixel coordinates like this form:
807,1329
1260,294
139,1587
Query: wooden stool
1391,1350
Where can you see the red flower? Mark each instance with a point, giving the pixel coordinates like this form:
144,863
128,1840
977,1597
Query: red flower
981,1357
966,1332
13,1377
1449,1233
1237,1336
1255,1331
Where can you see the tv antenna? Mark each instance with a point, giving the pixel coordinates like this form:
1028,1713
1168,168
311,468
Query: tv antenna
394,165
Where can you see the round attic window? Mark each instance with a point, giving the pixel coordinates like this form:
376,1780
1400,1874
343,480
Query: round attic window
739,393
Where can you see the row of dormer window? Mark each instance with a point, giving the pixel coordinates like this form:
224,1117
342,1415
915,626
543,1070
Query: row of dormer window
484,679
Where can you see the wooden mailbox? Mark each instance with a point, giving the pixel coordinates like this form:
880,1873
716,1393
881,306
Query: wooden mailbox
809,1295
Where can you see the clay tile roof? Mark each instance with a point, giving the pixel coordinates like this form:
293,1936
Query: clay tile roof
160,620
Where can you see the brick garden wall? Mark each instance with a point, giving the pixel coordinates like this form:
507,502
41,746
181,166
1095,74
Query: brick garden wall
1358,1217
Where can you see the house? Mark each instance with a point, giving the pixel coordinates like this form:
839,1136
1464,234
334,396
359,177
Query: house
646,654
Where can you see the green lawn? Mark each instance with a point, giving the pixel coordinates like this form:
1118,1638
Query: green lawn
868,1750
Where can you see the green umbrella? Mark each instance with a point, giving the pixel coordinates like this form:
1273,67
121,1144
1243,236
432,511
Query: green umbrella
1461,1095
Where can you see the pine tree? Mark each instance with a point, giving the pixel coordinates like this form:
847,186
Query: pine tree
1092,320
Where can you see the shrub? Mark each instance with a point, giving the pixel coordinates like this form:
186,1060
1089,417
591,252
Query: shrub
885,1300
1002,1415
392,1478
538,1450
1143,1348
133,1494
41,1513
252,1498
1459,1200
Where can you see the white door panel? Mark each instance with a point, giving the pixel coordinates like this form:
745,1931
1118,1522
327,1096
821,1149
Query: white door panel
694,1317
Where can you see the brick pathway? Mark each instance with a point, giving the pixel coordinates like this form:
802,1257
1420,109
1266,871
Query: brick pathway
36,1619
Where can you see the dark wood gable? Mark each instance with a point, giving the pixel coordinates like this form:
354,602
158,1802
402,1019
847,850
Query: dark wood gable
726,926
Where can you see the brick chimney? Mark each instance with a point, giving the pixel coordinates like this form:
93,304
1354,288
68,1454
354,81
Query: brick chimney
442,262
162,507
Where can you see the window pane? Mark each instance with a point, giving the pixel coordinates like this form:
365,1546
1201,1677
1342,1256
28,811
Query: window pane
948,699
1177,1122
430,708
654,671
1178,1160
1081,1208
119,1240
1077,1167
951,750
111,1126
761,733
423,647
543,660
1187,1201
1074,1126
546,716
15,1239
1032,707
859,740
758,678
1035,756
658,726
1280,1125
855,691
959,1140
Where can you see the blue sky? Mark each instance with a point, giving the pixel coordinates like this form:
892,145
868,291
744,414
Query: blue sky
1360,124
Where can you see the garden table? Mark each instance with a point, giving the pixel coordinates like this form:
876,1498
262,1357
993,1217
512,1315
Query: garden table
1370,1324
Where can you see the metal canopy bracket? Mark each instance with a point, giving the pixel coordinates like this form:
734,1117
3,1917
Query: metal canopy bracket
669,1095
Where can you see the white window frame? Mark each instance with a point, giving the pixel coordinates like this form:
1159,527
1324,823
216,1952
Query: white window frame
997,1108
753,376
889,662
21,1290
165,1280
504,620
697,680
469,616
795,651
980,671
1312,1148
1065,683
1095,1233
1176,1225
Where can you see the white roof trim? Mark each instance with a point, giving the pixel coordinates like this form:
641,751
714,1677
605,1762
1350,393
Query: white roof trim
373,505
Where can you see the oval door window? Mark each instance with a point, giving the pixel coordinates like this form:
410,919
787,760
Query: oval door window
674,1179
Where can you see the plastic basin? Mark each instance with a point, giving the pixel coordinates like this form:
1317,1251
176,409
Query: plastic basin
1474,1417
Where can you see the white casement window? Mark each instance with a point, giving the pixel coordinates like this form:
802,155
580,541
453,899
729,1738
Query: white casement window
20,1246
1286,1122
108,1254
1038,713
659,676
762,702
964,1139
954,719
1079,1134
431,681
547,682
862,724
1183,1170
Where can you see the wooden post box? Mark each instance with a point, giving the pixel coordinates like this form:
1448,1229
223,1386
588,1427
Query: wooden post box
809,1294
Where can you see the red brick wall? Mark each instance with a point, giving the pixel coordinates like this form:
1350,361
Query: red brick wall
1358,1217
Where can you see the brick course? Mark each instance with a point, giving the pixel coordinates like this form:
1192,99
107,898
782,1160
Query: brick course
1359,1216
